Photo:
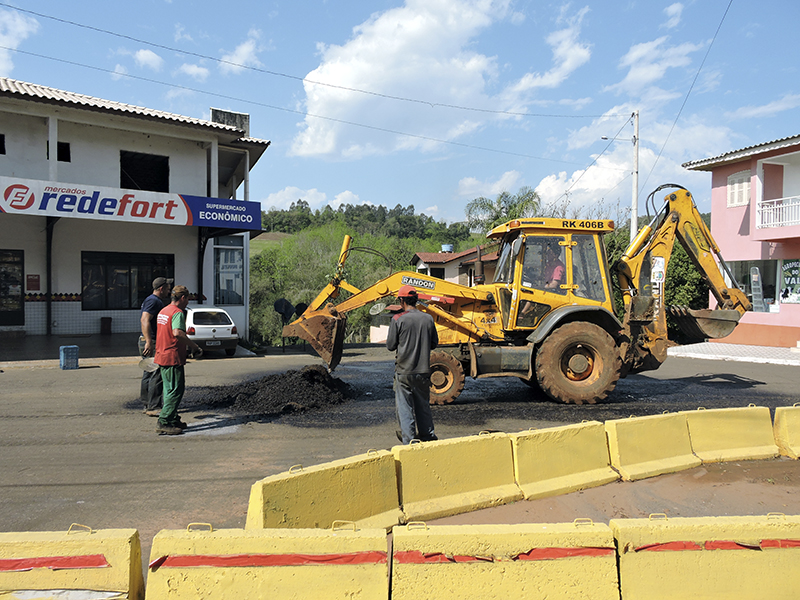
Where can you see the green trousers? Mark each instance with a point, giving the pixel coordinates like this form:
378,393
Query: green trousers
174,386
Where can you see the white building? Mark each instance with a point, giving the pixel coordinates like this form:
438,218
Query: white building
97,198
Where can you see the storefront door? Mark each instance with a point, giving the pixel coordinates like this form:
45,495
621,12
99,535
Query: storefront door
12,297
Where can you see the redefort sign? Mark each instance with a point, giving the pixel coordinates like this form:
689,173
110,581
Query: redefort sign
46,198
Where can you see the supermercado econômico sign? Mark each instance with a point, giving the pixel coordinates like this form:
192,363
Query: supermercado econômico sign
47,198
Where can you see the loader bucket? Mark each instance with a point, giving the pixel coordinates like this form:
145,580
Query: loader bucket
702,324
325,333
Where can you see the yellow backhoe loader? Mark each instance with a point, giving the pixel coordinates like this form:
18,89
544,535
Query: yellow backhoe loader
548,316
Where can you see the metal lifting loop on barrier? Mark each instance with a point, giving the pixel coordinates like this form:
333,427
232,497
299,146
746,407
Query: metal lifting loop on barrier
82,527
658,517
416,525
372,452
701,408
295,469
341,524
414,442
776,515
582,521
208,525
751,405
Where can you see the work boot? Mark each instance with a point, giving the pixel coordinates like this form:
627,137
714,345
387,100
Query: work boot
168,430
153,413
181,425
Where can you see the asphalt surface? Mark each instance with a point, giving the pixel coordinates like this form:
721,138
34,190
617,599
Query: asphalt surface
76,448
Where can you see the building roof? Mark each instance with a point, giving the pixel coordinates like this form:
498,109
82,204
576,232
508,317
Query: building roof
13,88
441,258
707,164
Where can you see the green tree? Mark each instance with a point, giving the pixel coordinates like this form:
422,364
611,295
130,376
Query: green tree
483,214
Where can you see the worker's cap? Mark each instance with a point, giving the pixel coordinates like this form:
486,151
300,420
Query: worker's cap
160,281
407,291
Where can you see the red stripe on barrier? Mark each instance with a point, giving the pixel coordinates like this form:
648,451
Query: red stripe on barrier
556,553
729,545
418,557
86,561
667,546
268,560
780,543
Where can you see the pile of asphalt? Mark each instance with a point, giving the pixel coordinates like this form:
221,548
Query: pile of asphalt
290,392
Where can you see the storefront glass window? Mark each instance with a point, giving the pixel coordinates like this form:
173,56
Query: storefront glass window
120,280
759,280
229,270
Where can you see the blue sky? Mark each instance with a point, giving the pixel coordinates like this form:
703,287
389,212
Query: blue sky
436,102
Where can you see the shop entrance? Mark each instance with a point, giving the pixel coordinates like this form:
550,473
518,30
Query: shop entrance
12,296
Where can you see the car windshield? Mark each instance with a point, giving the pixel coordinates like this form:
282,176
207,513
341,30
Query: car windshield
210,317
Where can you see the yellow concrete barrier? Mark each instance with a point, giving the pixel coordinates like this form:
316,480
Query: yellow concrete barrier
642,447
531,561
92,564
787,430
448,477
731,434
233,564
362,489
746,558
560,460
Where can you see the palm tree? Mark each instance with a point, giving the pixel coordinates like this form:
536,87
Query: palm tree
483,214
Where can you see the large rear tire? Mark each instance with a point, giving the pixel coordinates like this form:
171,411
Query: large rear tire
578,363
447,378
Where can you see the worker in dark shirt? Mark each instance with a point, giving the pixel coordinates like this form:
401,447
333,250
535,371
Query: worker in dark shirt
412,334
152,388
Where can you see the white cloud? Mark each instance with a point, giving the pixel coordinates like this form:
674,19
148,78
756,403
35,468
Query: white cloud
673,12
347,197
119,72
568,54
470,187
648,62
423,50
181,35
196,72
148,59
787,102
285,197
244,55
15,28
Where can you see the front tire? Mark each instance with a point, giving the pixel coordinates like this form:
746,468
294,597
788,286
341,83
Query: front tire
578,363
447,378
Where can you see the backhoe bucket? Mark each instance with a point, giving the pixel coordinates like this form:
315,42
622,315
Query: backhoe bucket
324,331
705,323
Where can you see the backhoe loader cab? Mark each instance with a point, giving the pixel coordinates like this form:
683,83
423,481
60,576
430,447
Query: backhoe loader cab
548,316
545,264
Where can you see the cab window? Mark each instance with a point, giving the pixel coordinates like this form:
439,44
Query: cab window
507,260
543,267
587,276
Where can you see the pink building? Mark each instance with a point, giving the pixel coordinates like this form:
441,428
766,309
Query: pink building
755,219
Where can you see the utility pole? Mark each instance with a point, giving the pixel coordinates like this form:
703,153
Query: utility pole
635,196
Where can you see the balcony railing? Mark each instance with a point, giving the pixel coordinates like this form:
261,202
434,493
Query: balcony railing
781,212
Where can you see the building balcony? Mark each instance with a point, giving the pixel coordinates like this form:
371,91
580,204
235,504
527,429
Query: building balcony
778,219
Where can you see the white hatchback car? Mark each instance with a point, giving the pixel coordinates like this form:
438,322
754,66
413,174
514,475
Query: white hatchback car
211,328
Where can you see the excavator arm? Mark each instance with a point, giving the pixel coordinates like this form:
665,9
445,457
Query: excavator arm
324,326
642,276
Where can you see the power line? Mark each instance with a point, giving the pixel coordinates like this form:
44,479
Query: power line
295,77
289,110
686,98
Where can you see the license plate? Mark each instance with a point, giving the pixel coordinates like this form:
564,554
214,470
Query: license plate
213,343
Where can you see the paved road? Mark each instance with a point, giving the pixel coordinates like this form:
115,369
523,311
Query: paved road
75,447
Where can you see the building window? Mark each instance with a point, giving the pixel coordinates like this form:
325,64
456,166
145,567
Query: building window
63,153
120,280
229,270
759,281
2,143
139,171
437,272
739,189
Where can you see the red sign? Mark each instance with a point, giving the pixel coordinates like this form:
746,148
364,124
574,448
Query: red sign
33,283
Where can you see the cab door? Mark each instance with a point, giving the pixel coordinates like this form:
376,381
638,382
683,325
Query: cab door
545,278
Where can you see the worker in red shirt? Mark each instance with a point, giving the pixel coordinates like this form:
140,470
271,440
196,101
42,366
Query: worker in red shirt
172,344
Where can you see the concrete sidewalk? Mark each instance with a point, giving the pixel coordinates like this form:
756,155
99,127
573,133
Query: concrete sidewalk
738,353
